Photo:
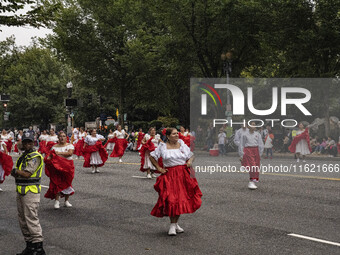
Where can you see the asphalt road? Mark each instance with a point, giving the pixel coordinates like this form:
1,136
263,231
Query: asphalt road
111,212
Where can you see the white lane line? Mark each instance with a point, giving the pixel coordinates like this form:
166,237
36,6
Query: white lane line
314,239
44,186
140,177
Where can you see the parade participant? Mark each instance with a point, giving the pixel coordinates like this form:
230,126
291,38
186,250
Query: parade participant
59,167
301,143
149,143
17,148
42,142
110,141
184,135
78,149
94,152
250,151
237,138
27,175
6,162
121,143
140,138
7,139
178,191
268,143
51,140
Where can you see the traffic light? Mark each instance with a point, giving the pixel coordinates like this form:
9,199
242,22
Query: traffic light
5,105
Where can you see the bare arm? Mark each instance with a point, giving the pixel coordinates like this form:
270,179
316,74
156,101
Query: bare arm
155,163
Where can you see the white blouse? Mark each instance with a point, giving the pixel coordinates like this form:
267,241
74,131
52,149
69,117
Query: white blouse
120,135
6,137
53,138
110,136
1,147
251,140
65,148
172,157
90,140
155,140
43,137
81,135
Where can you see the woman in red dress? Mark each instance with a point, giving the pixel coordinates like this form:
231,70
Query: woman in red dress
149,143
78,148
59,167
120,144
6,162
177,188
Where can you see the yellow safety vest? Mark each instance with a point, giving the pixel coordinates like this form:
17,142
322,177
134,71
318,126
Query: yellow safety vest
32,183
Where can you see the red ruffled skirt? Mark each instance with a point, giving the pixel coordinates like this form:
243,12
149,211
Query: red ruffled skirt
42,147
178,193
78,148
6,166
119,149
61,174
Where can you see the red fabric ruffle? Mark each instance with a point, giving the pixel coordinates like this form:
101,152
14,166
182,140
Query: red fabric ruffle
178,193
61,173
9,145
16,148
93,148
111,140
119,149
186,139
43,147
49,146
148,146
78,148
298,138
140,138
7,164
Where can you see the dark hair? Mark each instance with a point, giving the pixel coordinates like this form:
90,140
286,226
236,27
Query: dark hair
169,131
61,132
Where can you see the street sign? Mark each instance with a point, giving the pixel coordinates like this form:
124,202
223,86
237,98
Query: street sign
72,115
6,117
4,98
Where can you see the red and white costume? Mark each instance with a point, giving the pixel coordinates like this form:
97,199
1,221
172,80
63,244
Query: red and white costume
78,148
50,142
6,163
139,140
188,139
120,144
94,152
60,170
110,142
16,149
43,143
251,148
178,191
150,145
301,143
7,139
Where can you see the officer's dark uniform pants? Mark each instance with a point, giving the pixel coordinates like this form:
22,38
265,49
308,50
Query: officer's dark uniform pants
28,206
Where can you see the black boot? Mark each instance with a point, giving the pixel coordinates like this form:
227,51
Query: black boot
38,249
28,250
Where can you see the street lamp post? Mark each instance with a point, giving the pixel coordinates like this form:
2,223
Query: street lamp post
69,87
226,58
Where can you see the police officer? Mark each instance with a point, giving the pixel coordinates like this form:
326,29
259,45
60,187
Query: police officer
27,175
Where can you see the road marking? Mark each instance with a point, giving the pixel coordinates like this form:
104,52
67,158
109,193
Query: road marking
44,186
314,239
140,177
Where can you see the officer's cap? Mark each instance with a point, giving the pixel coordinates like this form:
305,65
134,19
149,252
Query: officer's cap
28,136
